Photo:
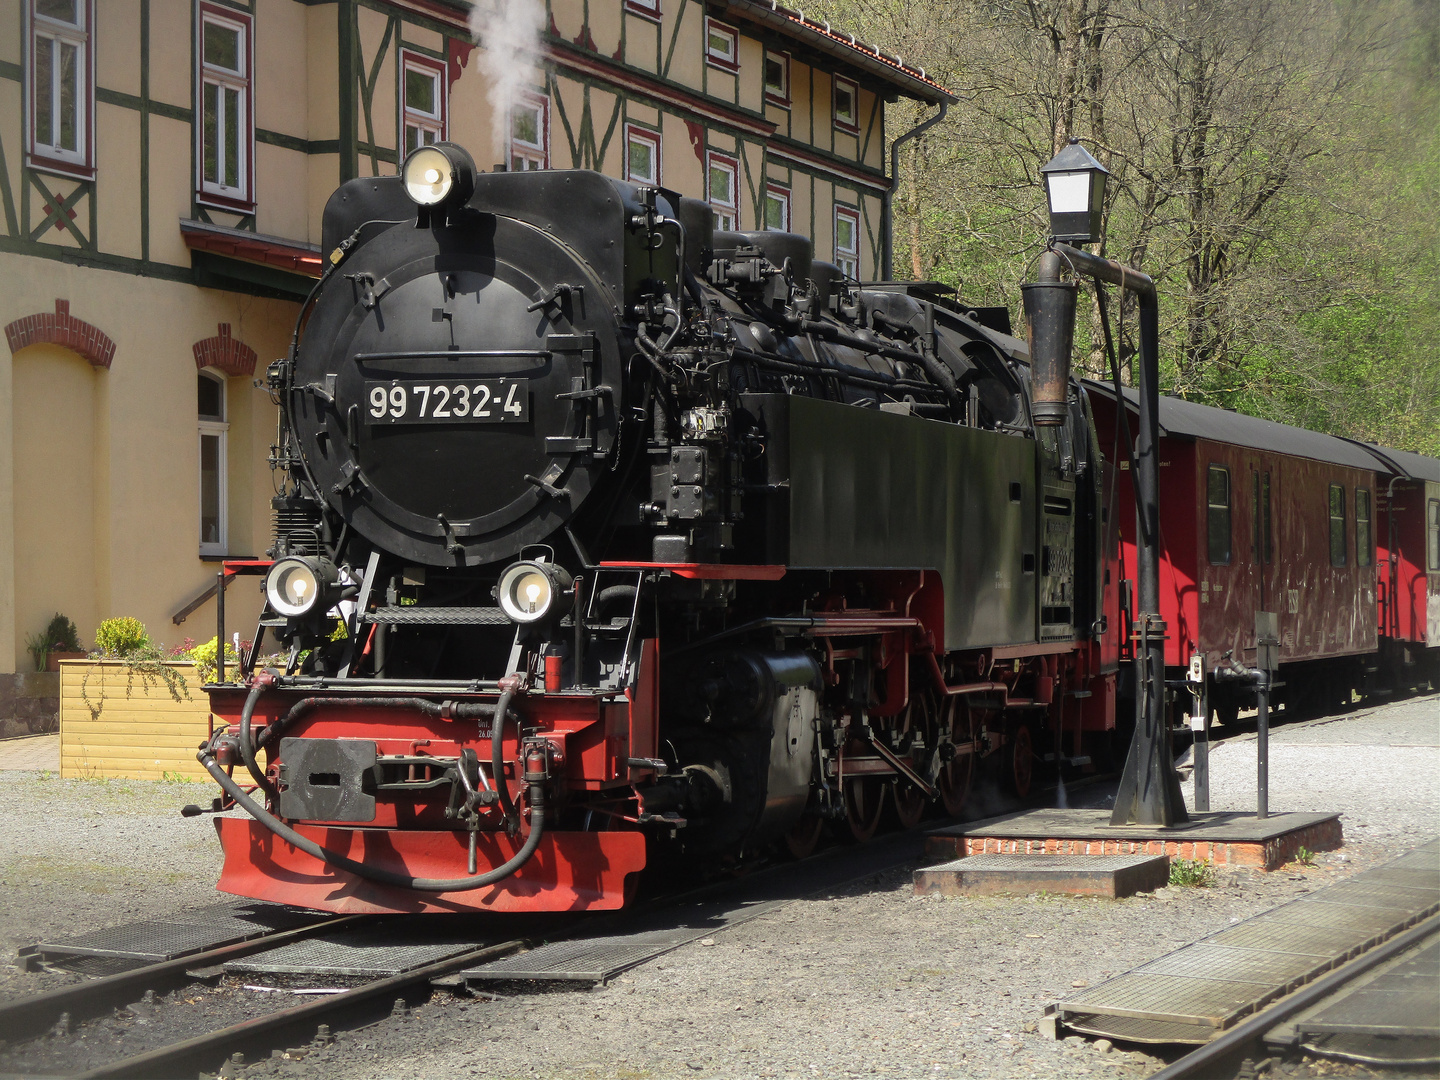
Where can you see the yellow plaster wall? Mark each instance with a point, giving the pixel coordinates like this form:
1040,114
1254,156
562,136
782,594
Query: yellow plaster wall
106,464
687,62
172,72
683,169
117,48
751,82
117,185
282,83
643,43
54,490
281,179
171,189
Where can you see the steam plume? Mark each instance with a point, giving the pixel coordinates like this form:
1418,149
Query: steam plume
508,32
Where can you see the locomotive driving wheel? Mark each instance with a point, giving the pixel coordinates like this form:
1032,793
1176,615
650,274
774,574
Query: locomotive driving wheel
957,773
1020,759
921,723
800,842
864,803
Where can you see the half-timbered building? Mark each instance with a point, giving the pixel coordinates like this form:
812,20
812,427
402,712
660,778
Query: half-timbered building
163,169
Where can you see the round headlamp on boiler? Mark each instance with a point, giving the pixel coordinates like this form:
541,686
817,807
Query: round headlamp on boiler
438,176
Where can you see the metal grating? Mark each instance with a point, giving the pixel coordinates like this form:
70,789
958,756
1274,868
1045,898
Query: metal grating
1398,1001
1318,912
1297,938
1368,894
361,953
1207,1002
181,934
1232,964
1134,1029
1411,877
587,960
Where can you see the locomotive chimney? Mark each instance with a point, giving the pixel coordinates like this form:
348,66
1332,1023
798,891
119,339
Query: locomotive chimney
1050,311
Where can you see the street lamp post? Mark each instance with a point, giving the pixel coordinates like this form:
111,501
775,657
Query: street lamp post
1149,792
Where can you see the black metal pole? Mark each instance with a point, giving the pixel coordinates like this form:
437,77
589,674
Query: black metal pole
1149,791
1262,743
220,627
1200,732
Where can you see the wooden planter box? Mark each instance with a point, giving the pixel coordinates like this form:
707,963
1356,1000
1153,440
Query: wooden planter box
140,732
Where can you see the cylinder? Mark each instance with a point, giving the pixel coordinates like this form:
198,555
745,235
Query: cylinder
1050,311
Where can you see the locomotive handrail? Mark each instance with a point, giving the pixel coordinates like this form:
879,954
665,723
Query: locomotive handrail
452,354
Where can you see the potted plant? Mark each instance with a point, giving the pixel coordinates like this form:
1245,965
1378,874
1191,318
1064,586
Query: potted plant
58,641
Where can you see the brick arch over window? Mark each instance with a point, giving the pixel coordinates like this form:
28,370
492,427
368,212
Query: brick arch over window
225,353
65,330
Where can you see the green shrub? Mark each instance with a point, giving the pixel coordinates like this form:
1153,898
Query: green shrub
1192,873
63,635
203,657
121,636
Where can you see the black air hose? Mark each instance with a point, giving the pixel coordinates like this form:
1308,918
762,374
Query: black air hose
384,877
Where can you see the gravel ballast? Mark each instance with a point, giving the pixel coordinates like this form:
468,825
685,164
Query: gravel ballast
866,980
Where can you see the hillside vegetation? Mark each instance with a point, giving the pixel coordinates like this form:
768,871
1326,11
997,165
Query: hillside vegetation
1275,166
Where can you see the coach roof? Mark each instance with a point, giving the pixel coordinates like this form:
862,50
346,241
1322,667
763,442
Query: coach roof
1188,420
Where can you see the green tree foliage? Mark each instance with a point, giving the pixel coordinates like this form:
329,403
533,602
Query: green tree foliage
1275,166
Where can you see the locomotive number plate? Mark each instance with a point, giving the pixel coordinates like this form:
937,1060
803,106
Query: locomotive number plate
449,401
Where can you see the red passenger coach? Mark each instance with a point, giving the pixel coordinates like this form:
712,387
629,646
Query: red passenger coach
1260,517
1407,539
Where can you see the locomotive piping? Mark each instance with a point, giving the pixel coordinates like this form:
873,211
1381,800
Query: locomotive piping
386,877
383,877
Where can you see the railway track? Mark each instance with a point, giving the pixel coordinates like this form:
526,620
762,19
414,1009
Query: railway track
1228,1055
50,1028
62,1013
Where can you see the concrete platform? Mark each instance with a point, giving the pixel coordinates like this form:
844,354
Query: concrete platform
1225,839
1020,875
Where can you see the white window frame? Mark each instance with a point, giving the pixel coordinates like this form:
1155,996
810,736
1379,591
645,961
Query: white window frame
721,209
719,60
635,133
51,157
781,194
534,155
217,429
848,259
217,192
649,9
782,97
434,124
851,126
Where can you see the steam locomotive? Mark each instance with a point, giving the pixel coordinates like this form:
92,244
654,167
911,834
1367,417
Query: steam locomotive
603,532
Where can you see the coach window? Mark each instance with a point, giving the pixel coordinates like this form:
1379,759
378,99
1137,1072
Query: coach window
642,155
227,130
61,86
1433,524
1337,525
422,103
1218,519
211,409
530,134
1362,527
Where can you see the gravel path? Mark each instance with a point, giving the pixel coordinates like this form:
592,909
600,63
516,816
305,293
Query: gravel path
868,980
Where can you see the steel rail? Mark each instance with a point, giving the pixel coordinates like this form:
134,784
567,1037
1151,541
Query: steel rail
1203,1062
185,1059
37,1014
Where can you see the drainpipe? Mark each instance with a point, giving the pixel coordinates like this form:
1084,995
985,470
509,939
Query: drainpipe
887,250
